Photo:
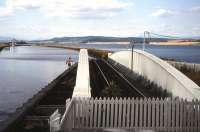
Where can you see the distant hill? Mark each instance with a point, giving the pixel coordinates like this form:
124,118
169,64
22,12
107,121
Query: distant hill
4,39
87,39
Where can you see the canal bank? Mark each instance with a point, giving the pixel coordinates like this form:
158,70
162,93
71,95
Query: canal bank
2,46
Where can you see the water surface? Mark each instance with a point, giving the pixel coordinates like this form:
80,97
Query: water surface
25,70
180,53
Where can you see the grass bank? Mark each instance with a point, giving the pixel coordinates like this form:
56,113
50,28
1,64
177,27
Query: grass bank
3,46
192,74
176,43
92,52
188,69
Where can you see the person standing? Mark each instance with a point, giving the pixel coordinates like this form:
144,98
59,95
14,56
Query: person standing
69,62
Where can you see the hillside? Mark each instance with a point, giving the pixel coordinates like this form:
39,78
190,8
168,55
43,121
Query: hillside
87,39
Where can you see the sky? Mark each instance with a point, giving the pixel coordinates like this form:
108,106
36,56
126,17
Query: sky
43,19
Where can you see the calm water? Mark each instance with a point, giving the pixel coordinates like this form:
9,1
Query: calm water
25,70
181,53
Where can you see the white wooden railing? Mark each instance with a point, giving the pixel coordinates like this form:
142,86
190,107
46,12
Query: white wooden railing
132,113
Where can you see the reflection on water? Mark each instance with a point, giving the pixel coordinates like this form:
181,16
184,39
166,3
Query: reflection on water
25,70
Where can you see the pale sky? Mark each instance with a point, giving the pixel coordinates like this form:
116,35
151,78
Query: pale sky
41,19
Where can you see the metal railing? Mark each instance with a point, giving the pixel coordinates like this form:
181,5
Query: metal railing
132,113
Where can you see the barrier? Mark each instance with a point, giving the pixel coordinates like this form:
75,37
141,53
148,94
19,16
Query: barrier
158,71
132,113
82,86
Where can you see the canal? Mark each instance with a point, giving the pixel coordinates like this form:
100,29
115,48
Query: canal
25,70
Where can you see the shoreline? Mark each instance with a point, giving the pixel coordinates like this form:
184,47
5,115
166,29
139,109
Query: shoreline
2,46
176,43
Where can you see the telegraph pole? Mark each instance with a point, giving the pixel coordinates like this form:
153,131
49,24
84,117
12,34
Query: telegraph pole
146,34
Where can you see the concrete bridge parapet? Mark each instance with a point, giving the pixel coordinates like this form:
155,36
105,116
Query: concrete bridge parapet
159,72
82,86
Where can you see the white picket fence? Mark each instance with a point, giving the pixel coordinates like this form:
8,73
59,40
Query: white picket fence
132,113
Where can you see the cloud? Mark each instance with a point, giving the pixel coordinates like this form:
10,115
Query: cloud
162,13
195,9
67,8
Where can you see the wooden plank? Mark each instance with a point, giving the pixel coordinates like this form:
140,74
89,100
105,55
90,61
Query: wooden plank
87,112
78,113
112,113
192,115
104,113
91,112
99,112
82,113
149,112
185,115
181,115
128,114
141,113
188,116
196,116
161,114
132,112
153,113
95,113
145,113
136,112
177,122
108,113
173,114
120,113
116,113
169,113
157,106
124,113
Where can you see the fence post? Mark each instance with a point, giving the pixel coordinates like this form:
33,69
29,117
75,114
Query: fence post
87,104
132,112
141,113
112,113
153,113
173,114
99,112
104,113
149,112
128,113
116,119
95,113
120,111
108,113
136,112
177,125
91,112
145,113
161,114
124,113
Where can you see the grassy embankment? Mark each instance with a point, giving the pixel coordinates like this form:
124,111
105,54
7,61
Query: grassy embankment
3,46
92,52
192,74
176,43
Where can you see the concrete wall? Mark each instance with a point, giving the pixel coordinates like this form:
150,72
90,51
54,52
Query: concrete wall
82,87
160,72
